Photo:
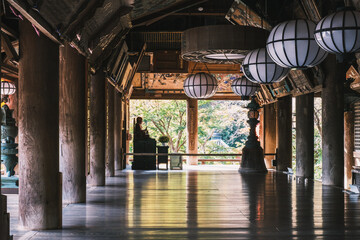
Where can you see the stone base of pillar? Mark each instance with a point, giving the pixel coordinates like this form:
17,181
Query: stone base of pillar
5,222
192,160
252,160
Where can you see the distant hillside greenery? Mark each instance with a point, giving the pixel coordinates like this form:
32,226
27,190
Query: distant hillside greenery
223,118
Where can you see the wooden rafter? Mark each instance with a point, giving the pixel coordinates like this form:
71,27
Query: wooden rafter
86,13
9,31
158,15
9,49
36,19
135,68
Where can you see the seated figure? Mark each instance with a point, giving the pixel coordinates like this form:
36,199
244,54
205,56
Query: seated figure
143,144
139,133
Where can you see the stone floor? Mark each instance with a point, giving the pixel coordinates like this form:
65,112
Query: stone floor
206,203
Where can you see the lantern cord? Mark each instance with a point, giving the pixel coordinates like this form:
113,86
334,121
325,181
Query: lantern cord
194,68
207,68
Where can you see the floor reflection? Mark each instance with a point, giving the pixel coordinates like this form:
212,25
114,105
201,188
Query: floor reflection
211,204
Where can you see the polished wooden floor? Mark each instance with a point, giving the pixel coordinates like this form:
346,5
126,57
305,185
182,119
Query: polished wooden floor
212,203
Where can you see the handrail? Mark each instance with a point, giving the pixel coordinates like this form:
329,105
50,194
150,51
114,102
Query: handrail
190,154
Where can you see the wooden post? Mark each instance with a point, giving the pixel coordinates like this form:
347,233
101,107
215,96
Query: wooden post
284,133
192,129
40,200
117,130
126,133
333,122
4,216
110,165
348,147
269,129
305,136
72,124
97,130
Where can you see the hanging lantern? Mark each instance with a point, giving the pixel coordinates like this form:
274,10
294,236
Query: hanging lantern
7,88
260,68
243,87
292,44
339,32
200,85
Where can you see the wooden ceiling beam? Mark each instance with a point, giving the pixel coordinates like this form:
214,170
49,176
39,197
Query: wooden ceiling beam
9,48
36,19
8,77
158,15
9,31
10,69
81,18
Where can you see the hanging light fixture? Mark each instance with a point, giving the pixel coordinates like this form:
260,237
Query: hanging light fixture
260,68
220,44
243,87
339,33
291,44
7,88
200,85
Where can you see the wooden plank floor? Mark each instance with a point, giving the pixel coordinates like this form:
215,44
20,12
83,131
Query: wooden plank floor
206,204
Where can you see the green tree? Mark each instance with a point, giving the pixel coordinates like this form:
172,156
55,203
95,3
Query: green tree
163,117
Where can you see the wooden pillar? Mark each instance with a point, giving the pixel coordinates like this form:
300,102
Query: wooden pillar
40,201
333,122
97,129
110,165
126,132
348,147
4,218
72,124
284,133
192,130
269,129
305,136
117,130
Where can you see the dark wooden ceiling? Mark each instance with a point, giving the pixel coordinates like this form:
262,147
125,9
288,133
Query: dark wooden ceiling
112,33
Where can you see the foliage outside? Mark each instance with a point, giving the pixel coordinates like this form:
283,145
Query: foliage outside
168,118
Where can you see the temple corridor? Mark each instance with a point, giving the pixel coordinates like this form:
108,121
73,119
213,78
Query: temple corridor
205,202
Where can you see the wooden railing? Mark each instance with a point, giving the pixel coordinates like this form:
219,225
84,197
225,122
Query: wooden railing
203,161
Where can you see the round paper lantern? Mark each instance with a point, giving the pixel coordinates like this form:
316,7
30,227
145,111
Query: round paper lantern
243,87
339,32
7,88
292,44
260,68
200,85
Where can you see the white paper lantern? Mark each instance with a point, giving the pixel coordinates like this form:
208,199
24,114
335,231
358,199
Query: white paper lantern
339,32
243,87
260,68
292,44
200,85
7,88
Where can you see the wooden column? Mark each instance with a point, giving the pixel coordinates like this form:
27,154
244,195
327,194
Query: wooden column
40,205
72,124
97,129
348,147
4,218
333,122
192,130
284,133
125,133
305,136
269,129
117,130
110,164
